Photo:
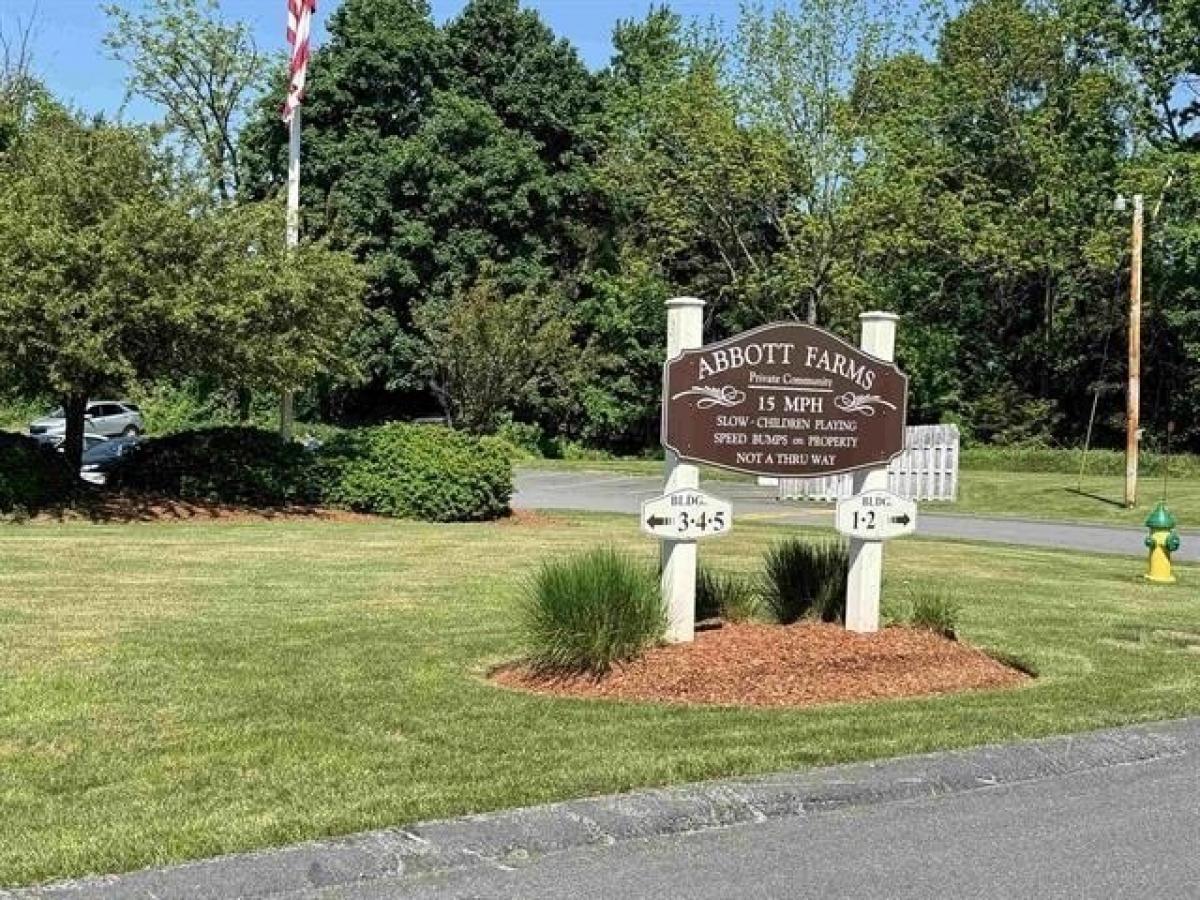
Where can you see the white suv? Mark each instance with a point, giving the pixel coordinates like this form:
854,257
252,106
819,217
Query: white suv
106,417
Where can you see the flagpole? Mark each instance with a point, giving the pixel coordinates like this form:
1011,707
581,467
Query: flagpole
287,400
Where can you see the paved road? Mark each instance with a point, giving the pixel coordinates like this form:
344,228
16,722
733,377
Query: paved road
1132,831
1110,814
603,492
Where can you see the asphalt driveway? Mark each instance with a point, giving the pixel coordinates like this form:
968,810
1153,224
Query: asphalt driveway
603,492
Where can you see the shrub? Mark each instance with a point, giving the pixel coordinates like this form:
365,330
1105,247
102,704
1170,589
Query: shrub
585,613
527,441
244,466
935,611
803,580
725,595
32,475
417,471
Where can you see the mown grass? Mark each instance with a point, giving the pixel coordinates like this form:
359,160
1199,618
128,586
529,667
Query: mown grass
176,691
1098,498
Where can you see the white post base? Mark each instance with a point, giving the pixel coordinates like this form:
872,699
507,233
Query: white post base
863,586
865,580
685,331
679,561
679,590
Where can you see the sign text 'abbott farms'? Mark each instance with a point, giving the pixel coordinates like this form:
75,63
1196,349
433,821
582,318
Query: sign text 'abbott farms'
787,400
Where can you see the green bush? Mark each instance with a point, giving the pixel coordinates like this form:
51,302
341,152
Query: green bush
724,595
32,475
16,414
527,441
585,613
417,472
190,404
244,466
935,611
803,580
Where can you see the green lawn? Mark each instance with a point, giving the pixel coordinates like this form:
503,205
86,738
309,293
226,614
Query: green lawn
1039,495
1051,496
177,691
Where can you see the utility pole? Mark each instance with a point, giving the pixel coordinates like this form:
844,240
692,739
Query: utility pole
1134,398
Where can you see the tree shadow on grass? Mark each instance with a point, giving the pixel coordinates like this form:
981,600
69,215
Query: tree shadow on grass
103,507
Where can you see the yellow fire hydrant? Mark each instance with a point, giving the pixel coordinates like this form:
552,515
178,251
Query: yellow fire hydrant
1163,540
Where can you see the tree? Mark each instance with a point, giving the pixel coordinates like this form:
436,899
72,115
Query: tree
202,70
97,261
271,317
536,83
489,354
110,274
431,153
743,150
794,70
985,198
19,85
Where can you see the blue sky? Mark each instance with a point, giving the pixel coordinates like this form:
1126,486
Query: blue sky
68,52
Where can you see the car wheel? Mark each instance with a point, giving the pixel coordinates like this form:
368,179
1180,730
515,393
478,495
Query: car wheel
130,431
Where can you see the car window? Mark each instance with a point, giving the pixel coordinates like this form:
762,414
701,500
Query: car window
94,410
106,409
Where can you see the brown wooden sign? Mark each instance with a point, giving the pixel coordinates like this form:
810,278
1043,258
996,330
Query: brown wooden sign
786,400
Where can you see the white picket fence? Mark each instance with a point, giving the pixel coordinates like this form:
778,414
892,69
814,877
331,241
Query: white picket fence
927,470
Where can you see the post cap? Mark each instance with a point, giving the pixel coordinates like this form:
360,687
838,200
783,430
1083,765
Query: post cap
879,316
690,302
1161,519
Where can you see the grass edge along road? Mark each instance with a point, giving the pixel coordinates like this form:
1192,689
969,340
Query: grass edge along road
1052,496
177,691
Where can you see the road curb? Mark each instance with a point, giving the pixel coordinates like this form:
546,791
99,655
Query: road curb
508,838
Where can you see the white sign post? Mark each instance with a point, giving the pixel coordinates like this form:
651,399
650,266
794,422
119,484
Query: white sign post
866,556
685,331
686,515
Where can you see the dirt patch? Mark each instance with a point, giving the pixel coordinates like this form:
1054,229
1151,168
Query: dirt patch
799,665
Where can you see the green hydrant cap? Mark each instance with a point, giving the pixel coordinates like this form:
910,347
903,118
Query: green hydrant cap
1161,519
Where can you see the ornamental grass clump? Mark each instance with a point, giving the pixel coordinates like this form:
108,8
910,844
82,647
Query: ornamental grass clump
806,581
588,612
724,595
935,611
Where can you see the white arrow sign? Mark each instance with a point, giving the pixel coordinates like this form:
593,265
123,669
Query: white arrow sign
876,516
686,515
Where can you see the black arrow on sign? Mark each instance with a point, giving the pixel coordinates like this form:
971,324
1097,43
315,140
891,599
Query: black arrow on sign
901,520
655,521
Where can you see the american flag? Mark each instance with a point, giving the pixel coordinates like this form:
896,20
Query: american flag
299,30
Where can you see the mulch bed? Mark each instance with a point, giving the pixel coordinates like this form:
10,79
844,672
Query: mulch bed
129,508
798,665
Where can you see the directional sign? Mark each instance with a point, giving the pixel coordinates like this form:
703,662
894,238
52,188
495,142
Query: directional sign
686,515
876,516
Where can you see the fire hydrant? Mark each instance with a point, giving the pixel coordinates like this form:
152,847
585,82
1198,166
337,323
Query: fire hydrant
1163,540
